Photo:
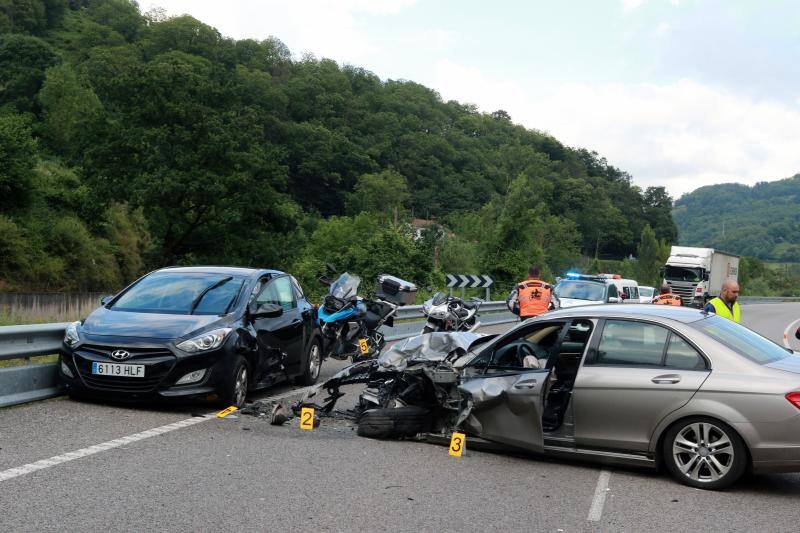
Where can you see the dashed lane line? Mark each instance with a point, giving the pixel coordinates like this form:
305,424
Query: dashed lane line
18,471
599,501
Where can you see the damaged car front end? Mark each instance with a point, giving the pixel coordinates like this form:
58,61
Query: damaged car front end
415,387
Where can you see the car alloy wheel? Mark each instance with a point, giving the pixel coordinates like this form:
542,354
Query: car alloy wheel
314,362
703,452
240,386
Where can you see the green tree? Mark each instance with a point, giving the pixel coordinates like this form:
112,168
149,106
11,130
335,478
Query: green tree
384,194
651,256
17,160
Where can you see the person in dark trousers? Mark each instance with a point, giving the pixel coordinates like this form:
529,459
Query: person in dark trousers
531,297
725,305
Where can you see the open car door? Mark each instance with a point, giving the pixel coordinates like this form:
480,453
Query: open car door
507,395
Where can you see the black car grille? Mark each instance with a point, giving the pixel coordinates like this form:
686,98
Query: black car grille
158,362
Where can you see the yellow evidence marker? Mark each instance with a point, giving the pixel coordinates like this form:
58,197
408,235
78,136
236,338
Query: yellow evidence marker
362,343
307,418
457,443
228,410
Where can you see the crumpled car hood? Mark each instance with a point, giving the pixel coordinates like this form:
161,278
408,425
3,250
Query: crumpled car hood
430,347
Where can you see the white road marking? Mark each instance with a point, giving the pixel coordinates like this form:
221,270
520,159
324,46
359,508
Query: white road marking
122,441
596,510
790,329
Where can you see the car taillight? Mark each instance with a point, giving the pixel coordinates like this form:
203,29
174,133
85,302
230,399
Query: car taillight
794,398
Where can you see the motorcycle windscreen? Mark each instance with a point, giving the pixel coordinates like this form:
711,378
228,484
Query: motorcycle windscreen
508,408
345,287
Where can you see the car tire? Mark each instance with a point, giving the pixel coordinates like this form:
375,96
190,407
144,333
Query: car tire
394,423
236,385
690,445
313,365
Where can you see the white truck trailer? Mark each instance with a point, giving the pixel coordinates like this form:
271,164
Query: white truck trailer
696,274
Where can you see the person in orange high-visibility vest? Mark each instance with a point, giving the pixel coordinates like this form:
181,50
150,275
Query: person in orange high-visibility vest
531,297
666,297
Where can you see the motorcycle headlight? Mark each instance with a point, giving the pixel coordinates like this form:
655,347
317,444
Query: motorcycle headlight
71,337
206,341
426,308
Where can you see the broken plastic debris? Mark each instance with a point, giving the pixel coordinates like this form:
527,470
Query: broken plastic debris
280,415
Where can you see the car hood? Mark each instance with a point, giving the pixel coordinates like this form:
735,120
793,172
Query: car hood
106,322
788,364
428,347
563,303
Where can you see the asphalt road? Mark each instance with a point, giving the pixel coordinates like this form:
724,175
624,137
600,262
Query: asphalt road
241,473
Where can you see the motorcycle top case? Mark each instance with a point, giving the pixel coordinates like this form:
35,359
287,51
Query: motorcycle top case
395,290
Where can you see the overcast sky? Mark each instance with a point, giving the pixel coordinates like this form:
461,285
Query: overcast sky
681,93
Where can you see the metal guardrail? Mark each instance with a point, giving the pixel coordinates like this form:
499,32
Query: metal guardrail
30,382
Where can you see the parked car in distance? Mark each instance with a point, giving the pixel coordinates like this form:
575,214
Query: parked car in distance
646,294
585,289
194,333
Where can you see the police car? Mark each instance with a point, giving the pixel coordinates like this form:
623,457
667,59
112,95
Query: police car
594,289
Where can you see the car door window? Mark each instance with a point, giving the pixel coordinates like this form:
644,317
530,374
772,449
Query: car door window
682,356
629,343
612,291
278,291
298,292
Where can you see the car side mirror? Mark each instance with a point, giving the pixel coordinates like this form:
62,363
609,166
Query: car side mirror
623,296
264,310
614,300
104,300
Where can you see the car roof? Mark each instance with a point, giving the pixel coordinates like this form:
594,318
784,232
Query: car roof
679,314
231,270
597,281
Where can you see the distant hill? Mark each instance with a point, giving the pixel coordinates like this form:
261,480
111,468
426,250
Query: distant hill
761,221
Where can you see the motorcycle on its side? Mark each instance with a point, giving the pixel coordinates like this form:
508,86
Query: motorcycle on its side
448,313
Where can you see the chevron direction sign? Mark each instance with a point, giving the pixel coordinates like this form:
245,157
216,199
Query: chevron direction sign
469,281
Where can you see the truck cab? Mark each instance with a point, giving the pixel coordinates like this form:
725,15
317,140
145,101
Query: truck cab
696,274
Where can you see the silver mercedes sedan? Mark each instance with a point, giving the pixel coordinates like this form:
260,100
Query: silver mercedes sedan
646,385
653,385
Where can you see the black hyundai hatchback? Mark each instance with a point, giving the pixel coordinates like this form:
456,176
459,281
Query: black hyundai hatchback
191,333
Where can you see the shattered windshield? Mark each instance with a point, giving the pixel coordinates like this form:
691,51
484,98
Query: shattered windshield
346,287
580,290
674,273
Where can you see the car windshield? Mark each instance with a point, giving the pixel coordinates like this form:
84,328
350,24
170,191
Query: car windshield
741,340
580,290
647,292
674,273
346,287
181,294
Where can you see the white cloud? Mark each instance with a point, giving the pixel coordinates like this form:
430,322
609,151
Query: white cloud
630,5
681,135
326,28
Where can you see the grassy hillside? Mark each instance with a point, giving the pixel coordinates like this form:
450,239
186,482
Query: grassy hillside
761,221
130,141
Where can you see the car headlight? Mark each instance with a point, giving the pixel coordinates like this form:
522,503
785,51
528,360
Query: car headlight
71,337
206,341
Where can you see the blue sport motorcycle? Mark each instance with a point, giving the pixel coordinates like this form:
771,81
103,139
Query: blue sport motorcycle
350,323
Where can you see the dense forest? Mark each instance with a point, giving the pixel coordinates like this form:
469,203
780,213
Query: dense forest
133,140
762,221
